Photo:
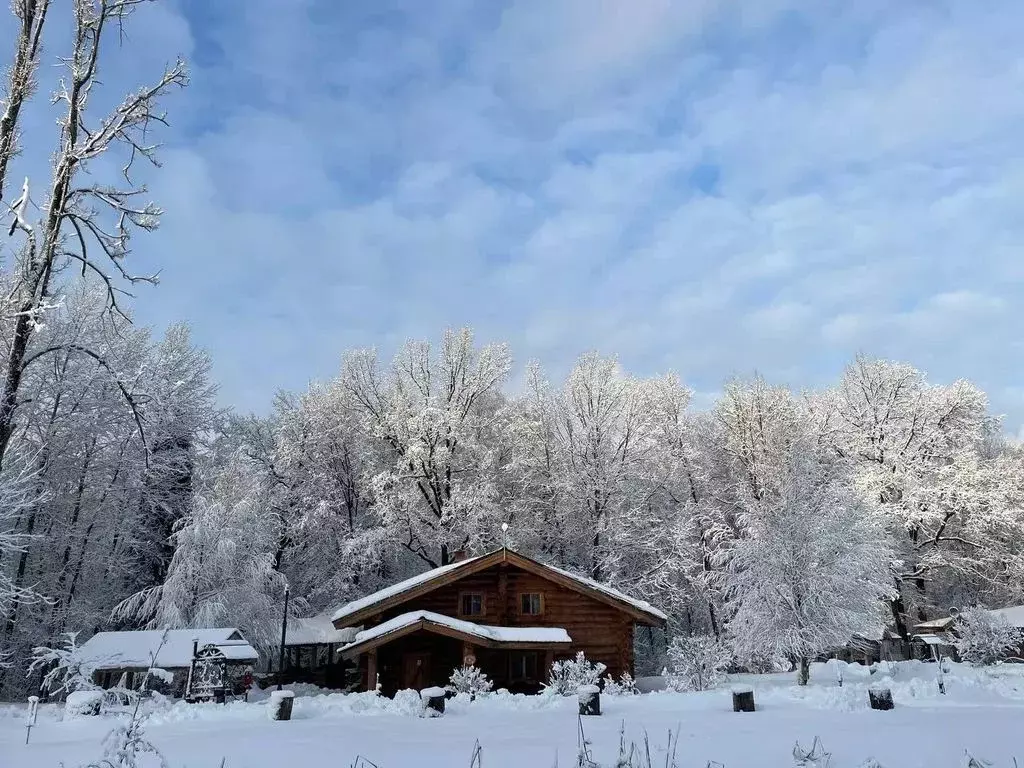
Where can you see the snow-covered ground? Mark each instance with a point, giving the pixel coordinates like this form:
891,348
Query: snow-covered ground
983,712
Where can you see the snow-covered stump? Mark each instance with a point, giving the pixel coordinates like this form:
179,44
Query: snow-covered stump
742,698
880,698
83,703
433,701
589,697
280,705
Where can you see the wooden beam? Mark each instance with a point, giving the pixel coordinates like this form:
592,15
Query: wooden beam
371,670
503,593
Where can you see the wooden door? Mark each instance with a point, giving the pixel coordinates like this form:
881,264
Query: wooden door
415,670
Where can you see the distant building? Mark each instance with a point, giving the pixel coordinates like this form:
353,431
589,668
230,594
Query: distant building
313,653
114,656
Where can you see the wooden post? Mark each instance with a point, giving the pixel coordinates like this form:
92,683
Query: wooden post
589,697
433,701
280,706
371,670
880,698
284,630
742,699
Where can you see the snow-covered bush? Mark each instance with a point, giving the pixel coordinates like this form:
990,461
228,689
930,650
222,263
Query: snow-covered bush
985,637
624,686
567,676
65,671
469,679
83,703
696,663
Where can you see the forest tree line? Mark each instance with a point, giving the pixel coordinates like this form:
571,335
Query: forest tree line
129,498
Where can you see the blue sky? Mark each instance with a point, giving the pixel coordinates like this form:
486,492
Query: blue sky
712,186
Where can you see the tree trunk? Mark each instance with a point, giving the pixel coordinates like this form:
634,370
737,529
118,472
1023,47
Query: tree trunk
804,672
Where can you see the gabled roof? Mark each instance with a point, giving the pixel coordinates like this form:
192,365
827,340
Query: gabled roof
357,611
478,634
936,625
119,650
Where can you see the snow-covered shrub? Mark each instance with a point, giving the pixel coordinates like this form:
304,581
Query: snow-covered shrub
65,670
696,663
469,679
624,686
985,637
83,703
567,676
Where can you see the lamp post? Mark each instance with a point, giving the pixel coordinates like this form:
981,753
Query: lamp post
284,629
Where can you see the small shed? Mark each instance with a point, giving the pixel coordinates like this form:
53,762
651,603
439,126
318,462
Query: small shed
115,655
313,652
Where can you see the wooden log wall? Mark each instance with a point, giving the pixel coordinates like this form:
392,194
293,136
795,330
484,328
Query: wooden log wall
602,632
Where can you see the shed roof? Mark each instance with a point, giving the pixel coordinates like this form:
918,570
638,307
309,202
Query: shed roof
137,649
316,630
354,612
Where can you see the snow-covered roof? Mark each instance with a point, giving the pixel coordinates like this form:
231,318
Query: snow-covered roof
942,623
316,629
640,605
397,589
485,632
450,572
115,650
1013,614
937,639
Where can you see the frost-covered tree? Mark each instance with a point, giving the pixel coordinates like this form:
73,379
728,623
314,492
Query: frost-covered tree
582,457
86,221
63,668
437,413
222,572
984,637
899,431
567,675
697,662
469,679
180,405
812,567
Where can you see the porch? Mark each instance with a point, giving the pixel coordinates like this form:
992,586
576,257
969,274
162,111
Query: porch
420,650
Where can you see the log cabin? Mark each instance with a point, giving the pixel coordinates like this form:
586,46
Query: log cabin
503,612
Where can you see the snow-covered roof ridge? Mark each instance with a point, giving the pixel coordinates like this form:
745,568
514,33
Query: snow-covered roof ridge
397,589
451,571
136,648
482,631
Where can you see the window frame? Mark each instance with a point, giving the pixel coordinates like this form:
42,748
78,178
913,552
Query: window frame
483,604
540,600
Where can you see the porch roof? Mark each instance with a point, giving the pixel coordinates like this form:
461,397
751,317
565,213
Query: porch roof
477,634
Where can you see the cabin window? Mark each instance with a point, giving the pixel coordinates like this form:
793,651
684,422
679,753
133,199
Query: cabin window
471,604
525,665
531,604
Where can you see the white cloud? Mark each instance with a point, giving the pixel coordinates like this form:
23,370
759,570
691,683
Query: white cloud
713,187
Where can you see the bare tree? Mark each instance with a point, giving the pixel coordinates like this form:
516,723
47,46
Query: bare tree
89,226
31,15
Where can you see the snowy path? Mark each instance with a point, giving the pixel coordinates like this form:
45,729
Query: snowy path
924,730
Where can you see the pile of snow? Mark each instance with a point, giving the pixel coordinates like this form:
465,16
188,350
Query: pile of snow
83,703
